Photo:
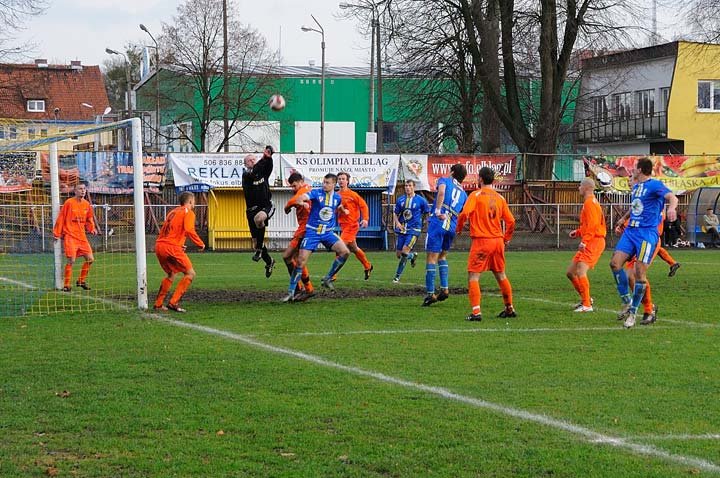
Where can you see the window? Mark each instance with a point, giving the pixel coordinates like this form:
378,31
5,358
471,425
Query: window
36,105
2,132
708,95
31,133
622,105
600,110
645,101
665,95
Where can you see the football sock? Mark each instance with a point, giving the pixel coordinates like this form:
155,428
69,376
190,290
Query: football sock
265,256
183,286
337,264
665,255
294,279
506,291
68,274
401,265
430,271
647,299
162,293
576,284
638,293
474,294
623,288
444,271
585,291
84,272
306,280
360,254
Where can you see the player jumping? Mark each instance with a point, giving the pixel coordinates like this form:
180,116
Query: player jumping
255,183
297,183
323,204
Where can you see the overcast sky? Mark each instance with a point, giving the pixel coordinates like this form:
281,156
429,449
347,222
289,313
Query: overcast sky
82,29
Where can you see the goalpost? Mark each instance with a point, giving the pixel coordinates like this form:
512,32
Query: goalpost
32,264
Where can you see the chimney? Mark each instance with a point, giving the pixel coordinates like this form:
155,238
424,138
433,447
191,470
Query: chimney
76,65
41,63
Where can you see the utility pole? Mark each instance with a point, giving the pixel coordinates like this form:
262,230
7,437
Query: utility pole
380,147
226,127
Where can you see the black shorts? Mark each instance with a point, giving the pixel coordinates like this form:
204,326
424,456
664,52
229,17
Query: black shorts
253,211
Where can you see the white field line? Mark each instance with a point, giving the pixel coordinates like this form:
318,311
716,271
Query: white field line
582,432
20,283
452,331
680,437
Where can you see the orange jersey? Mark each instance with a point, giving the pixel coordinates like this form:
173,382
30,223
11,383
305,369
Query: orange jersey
592,221
179,224
486,210
356,206
75,218
301,213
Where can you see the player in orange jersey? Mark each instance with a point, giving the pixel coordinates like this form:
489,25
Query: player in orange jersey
170,251
357,210
76,217
297,183
487,212
592,232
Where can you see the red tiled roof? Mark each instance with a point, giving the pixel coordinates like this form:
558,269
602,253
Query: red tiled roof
59,85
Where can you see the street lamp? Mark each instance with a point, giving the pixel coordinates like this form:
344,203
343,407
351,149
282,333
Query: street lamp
374,39
98,119
157,87
127,79
321,31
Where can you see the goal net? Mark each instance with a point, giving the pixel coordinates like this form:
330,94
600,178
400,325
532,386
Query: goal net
40,167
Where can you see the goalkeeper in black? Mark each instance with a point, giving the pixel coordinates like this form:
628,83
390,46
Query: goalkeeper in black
255,183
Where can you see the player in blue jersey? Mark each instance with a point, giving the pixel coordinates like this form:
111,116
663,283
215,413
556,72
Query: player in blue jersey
449,202
323,204
640,238
408,219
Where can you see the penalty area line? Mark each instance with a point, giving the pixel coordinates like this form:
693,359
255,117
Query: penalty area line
578,430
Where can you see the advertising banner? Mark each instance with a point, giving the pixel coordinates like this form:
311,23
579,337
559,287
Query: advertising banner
111,172
17,170
425,170
199,172
365,170
679,173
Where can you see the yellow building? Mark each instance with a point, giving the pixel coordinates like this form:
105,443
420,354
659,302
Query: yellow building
663,99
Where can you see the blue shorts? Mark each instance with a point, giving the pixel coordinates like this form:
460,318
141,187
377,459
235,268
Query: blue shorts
312,239
438,239
404,240
640,242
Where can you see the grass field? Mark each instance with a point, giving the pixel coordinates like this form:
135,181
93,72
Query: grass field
372,385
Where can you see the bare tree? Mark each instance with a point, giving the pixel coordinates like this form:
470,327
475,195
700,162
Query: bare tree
560,27
193,84
703,18
13,15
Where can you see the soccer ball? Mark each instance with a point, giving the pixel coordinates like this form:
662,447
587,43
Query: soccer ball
276,102
604,179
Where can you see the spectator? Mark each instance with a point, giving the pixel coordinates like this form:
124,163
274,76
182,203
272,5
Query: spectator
710,225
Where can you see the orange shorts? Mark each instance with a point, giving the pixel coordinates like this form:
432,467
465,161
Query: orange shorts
75,248
296,240
172,259
349,232
487,254
592,252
